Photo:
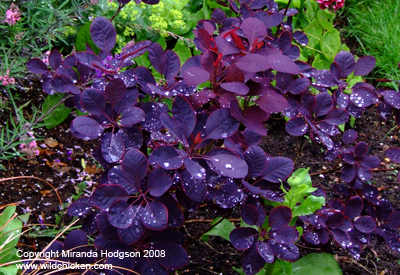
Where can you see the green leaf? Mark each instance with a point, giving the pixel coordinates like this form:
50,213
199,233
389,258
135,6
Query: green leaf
321,62
6,215
342,127
314,33
9,236
241,272
143,60
9,270
316,264
223,229
183,51
56,116
300,176
325,19
308,206
280,267
311,9
84,37
330,43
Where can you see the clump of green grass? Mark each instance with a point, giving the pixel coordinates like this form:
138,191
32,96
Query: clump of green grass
375,25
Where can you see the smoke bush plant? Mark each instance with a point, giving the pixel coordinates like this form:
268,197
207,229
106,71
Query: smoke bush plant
160,161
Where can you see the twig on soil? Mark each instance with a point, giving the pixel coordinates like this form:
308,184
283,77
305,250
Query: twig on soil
370,133
339,171
32,177
351,260
309,248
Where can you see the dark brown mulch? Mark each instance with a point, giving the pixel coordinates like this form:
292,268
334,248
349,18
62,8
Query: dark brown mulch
217,255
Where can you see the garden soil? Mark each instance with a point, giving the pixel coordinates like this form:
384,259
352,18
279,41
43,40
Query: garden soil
60,165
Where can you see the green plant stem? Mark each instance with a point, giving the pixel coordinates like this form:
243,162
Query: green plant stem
31,125
279,27
118,10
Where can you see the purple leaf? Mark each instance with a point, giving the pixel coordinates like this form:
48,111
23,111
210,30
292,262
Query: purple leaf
279,217
37,66
116,176
175,215
393,154
274,20
253,29
229,165
194,188
364,65
253,118
349,136
220,124
252,212
394,219
86,128
337,116
392,98
365,224
324,103
157,57
370,162
228,195
112,147
235,87
63,84
87,59
131,116
296,127
155,216
80,208
256,161
115,91
121,214
93,101
346,62
265,251
167,157
55,59
225,47
252,262
184,113
107,194
151,266
285,234
194,76
175,255
282,63
353,207
103,34
301,38
348,173
272,102
341,237
194,168
299,85
362,96
360,150
278,169
134,166
242,238
158,183
287,251
335,220
173,65
267,194
152,112
253,63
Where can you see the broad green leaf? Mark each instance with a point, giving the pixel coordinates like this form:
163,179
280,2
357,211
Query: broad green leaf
84,37
8,270
223,229
279,267
241,272
6,215
183,51
311,9
321,62
308,206
143,60
330,43
56,116
316,264
325,19
300,176
342,127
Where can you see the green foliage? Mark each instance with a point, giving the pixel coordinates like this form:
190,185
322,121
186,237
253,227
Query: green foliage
299,197
56,116
374,25
42,25
222,229
10,228
324,39
316,264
